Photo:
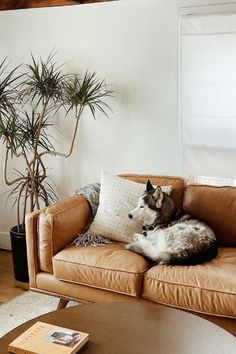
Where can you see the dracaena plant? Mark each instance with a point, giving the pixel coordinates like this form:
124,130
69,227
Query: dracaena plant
30,97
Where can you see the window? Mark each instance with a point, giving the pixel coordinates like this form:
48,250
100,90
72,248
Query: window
208,95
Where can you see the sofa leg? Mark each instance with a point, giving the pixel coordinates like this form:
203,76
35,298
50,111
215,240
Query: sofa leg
62,304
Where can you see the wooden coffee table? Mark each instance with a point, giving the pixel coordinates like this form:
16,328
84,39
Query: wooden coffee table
136,328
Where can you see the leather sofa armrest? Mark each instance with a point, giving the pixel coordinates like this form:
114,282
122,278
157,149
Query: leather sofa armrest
57,226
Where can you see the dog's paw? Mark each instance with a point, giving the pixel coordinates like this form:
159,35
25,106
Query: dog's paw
137,237
134,248
130,246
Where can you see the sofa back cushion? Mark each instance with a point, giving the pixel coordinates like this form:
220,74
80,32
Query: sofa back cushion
216,206
178,184
118,196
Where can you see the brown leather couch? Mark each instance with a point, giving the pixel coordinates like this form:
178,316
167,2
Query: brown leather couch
112,273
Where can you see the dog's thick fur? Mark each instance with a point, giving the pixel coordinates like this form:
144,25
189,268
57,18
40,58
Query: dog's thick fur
169,237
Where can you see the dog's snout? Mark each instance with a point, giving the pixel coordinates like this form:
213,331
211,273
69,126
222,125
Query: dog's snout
130,216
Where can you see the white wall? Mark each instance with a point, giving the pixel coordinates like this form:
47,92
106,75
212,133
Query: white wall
134,45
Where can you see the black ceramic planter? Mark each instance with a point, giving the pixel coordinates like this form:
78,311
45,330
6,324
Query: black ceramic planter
19,254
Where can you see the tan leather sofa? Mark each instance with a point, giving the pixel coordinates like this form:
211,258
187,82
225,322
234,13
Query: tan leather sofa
112,273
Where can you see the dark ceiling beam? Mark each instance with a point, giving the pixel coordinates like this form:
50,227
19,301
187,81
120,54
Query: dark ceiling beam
24,4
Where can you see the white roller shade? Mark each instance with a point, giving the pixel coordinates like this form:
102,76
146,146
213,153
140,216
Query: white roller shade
209,95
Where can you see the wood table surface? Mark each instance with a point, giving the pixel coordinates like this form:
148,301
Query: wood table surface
136,328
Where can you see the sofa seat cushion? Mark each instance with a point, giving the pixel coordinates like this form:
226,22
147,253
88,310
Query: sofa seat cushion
207,288
110,267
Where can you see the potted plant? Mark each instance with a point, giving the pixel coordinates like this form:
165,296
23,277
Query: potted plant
29,105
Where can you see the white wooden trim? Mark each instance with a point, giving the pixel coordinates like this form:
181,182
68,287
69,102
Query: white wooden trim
180,98
207,9
5,242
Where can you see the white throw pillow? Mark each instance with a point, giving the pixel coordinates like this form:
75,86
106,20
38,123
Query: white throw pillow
118,197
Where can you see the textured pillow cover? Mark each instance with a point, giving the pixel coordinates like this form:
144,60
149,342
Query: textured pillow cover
118,197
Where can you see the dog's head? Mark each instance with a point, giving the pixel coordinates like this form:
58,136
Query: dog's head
148,204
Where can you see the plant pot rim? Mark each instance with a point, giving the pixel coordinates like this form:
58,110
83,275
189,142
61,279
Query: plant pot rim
14,231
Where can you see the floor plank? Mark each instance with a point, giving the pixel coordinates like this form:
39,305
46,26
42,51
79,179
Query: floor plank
9,287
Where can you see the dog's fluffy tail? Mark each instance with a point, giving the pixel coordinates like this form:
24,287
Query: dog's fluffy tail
204,256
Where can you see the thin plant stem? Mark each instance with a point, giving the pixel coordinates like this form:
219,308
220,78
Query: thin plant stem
18,205
56,153
10,183
25,202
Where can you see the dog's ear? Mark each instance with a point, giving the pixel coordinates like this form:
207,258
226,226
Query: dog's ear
158,195
149,186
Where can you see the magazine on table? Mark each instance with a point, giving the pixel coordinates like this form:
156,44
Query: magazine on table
44,338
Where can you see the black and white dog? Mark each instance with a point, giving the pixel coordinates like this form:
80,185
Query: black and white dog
169,237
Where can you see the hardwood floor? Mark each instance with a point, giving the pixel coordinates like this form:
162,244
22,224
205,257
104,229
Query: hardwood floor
9,287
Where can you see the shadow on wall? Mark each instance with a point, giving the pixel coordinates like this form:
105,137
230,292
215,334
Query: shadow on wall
24,4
